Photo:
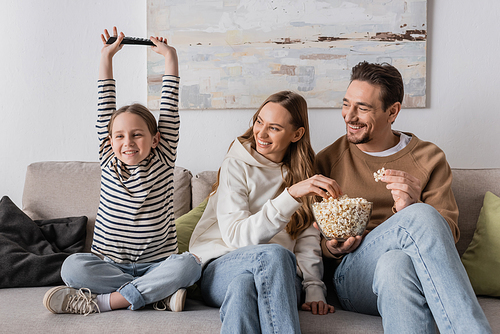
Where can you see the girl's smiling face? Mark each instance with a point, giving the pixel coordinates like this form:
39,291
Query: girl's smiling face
273,132
131,139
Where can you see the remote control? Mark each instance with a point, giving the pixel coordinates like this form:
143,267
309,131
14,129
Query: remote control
131,40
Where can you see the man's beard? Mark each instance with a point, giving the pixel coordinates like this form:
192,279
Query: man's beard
365,138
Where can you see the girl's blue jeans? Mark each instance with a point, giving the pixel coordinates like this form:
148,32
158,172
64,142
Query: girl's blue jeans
409,271
139,283
254,287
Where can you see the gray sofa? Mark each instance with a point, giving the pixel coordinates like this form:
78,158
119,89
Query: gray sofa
64,189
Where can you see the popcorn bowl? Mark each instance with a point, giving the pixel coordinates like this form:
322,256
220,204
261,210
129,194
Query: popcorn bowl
343,217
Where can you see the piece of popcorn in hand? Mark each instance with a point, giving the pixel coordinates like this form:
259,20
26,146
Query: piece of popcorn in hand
341,218
378,174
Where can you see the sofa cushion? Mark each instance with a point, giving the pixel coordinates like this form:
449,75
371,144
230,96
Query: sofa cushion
482,257
32,252
182,191
469,186
201,185
63,189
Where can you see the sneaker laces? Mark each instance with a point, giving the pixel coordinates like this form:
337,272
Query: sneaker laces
82,303
162,305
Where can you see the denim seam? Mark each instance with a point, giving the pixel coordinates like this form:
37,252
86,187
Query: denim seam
265,286
428,277
419,256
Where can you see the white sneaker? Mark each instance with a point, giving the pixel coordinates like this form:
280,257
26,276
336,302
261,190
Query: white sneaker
174,302
63,299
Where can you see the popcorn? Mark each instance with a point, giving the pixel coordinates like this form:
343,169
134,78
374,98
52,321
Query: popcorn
378,174
343,217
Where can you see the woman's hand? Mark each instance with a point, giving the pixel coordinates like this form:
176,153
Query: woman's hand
320,308
317,185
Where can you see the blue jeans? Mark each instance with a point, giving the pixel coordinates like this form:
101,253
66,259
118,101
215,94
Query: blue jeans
139,283
254,287
409,271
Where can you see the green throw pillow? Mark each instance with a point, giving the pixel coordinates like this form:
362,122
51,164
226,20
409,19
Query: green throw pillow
185,225
482,257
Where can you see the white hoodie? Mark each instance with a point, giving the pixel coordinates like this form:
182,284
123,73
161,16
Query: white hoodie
243,212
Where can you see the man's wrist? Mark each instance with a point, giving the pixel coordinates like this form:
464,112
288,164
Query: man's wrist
327,252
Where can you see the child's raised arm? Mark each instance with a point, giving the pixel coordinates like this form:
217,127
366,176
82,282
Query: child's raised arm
107,53
170,54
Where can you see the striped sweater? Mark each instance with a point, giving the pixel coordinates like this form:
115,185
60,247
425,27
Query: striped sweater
135,221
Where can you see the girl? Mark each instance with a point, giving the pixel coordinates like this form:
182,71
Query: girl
134,260
256,237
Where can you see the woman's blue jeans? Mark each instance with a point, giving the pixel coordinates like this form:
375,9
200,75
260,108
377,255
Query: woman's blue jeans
409,271
254,287
139,283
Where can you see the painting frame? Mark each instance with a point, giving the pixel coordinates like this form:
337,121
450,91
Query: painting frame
233,54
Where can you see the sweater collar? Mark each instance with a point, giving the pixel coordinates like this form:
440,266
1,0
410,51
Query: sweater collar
245,152
355,150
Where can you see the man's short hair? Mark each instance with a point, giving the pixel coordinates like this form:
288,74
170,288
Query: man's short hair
386,76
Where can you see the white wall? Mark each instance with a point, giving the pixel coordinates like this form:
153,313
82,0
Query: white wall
48,71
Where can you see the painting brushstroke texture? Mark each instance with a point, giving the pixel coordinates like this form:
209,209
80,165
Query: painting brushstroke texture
233,54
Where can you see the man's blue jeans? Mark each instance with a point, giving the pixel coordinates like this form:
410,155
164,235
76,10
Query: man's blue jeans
139,283
409,271
254,287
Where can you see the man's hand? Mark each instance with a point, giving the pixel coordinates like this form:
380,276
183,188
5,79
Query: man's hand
405,188
320,308
337,248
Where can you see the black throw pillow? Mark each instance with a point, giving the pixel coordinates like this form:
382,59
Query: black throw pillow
32,252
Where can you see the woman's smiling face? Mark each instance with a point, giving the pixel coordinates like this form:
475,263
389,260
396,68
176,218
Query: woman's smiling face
273,132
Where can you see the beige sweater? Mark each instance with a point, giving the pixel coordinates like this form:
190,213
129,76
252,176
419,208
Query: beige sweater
244,211
353,170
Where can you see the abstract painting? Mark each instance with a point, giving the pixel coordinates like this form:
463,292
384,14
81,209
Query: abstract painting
233,54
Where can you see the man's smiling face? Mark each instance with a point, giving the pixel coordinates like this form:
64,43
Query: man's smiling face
367,124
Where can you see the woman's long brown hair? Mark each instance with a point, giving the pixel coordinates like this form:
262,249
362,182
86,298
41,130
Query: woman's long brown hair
297,165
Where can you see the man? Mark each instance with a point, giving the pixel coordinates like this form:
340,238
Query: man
406,268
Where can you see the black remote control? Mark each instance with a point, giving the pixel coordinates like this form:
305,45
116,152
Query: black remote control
131,40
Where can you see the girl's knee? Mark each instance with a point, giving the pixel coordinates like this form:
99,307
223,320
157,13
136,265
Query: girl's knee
194,265
186,263
71,269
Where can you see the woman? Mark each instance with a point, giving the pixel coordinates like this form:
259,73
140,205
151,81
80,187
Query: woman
256,237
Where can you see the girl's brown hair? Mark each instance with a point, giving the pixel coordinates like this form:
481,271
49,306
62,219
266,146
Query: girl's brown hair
139,110
297,165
